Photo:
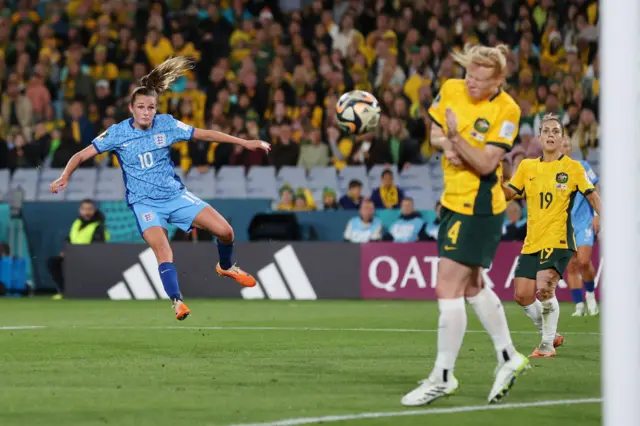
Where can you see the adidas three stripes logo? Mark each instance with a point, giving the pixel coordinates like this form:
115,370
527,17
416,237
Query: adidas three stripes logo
284,279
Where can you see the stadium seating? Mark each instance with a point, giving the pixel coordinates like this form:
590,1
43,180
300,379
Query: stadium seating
349,173
202,185
82,185
231,182
5,181
261,183
44,181
416,183
319,178
422,182
375,174
292,176
27,180
109,185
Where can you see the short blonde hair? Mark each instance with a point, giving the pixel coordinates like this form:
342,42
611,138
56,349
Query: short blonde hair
551,117
484,56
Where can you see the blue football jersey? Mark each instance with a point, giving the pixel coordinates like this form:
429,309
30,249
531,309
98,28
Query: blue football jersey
582,212
144,156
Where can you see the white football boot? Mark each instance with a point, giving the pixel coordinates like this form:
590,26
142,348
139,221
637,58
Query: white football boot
429,390
579,310
506,374
592,304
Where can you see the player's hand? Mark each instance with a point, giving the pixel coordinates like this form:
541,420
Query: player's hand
452,124
59,184
253,145
453,158
595,223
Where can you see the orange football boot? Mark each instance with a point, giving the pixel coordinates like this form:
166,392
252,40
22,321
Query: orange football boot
241,277
182,311
537,353
558,341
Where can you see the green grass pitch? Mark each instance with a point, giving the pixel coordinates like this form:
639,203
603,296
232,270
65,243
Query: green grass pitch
132,363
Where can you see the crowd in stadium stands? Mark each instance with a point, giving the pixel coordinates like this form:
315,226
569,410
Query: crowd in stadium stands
274,70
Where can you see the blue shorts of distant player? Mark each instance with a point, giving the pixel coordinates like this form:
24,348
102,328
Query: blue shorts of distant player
180,211
584,235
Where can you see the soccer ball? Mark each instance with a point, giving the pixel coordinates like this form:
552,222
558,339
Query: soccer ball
358,112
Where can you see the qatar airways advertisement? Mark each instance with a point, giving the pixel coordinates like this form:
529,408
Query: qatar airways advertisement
409,271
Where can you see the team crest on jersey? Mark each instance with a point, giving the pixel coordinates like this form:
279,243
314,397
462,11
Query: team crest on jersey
481,125
160,140
147,217
562,177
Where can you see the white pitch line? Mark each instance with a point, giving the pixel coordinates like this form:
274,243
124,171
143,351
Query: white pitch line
423,412
263,328
21,327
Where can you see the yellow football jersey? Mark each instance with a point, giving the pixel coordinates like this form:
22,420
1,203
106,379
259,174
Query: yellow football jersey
490,122
550,188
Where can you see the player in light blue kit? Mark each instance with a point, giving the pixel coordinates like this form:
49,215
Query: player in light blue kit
586,225
154,192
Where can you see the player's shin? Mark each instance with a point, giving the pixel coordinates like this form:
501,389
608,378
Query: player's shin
452,325
225,253
587,271
550,317
534,311
525,297
169,277
490,311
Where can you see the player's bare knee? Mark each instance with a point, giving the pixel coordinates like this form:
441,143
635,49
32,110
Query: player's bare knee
545,290
474,284
584,264
452,279
546,283
523,298
163,252
572,267
225,235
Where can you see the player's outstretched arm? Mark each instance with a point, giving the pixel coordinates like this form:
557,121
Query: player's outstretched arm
215,136
75,161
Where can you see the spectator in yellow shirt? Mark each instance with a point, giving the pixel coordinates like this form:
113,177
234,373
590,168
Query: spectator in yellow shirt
101,69
241,41
157,47
286,199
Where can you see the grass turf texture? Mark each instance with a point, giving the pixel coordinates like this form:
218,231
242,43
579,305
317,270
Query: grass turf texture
117,363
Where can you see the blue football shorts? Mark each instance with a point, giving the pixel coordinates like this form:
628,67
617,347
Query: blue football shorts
180,211
584,235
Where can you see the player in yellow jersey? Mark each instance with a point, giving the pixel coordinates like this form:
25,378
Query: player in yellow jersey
550,184
474,123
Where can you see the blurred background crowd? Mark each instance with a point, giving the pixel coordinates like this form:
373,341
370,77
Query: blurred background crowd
274,70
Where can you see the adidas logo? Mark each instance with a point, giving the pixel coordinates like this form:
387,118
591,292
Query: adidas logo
138,285
284,279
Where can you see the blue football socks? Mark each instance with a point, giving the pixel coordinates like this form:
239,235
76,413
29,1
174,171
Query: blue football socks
576,293
589,286
169,277
225,253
